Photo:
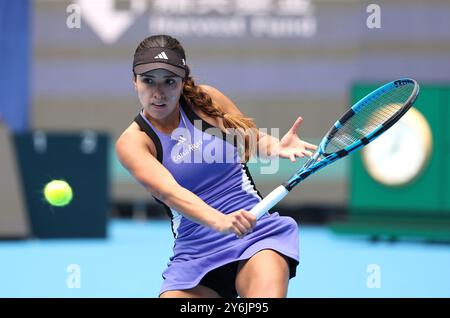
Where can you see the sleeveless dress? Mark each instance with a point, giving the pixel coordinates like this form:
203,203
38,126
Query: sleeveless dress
207,163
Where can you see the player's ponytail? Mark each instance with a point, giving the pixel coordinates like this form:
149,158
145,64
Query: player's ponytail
240,124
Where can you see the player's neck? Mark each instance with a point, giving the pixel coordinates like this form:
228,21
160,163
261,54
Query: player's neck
168,123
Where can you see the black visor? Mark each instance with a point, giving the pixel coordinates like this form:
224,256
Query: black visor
157,57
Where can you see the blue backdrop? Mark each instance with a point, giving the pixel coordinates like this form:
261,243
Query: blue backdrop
15,62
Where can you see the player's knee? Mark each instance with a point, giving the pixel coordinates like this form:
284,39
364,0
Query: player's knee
169,294
265,287
196,292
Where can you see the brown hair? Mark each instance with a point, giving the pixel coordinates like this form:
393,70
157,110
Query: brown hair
193,95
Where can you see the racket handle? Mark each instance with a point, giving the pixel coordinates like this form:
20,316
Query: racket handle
269,201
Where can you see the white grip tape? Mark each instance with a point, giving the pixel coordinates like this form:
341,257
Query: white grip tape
269,201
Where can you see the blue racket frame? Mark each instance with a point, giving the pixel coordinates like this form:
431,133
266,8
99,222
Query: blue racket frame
313,165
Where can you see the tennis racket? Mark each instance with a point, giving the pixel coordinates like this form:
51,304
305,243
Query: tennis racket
361,124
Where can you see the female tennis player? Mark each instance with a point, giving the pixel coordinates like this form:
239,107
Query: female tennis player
220,250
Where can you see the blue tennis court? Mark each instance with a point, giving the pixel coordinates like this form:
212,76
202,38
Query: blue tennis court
129,264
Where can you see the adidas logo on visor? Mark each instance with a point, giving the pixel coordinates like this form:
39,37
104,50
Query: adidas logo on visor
161,55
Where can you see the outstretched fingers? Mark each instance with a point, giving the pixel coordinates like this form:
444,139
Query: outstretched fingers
307,145
296,125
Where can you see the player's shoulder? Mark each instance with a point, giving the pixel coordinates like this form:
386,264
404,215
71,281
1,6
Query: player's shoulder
133,137
220,99
212,91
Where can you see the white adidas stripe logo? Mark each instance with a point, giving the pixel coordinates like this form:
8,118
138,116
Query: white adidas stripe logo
180,139
161,55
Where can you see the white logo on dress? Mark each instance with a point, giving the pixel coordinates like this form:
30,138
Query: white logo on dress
181,140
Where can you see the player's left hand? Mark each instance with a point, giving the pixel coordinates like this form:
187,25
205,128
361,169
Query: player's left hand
291,146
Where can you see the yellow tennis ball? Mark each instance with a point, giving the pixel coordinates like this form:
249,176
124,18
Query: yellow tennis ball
58,193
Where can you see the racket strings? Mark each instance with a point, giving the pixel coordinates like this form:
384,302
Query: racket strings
377,112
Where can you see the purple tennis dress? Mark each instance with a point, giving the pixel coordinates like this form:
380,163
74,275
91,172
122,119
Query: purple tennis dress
196,158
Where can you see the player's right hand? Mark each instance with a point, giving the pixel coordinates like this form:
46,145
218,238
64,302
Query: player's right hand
240,223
